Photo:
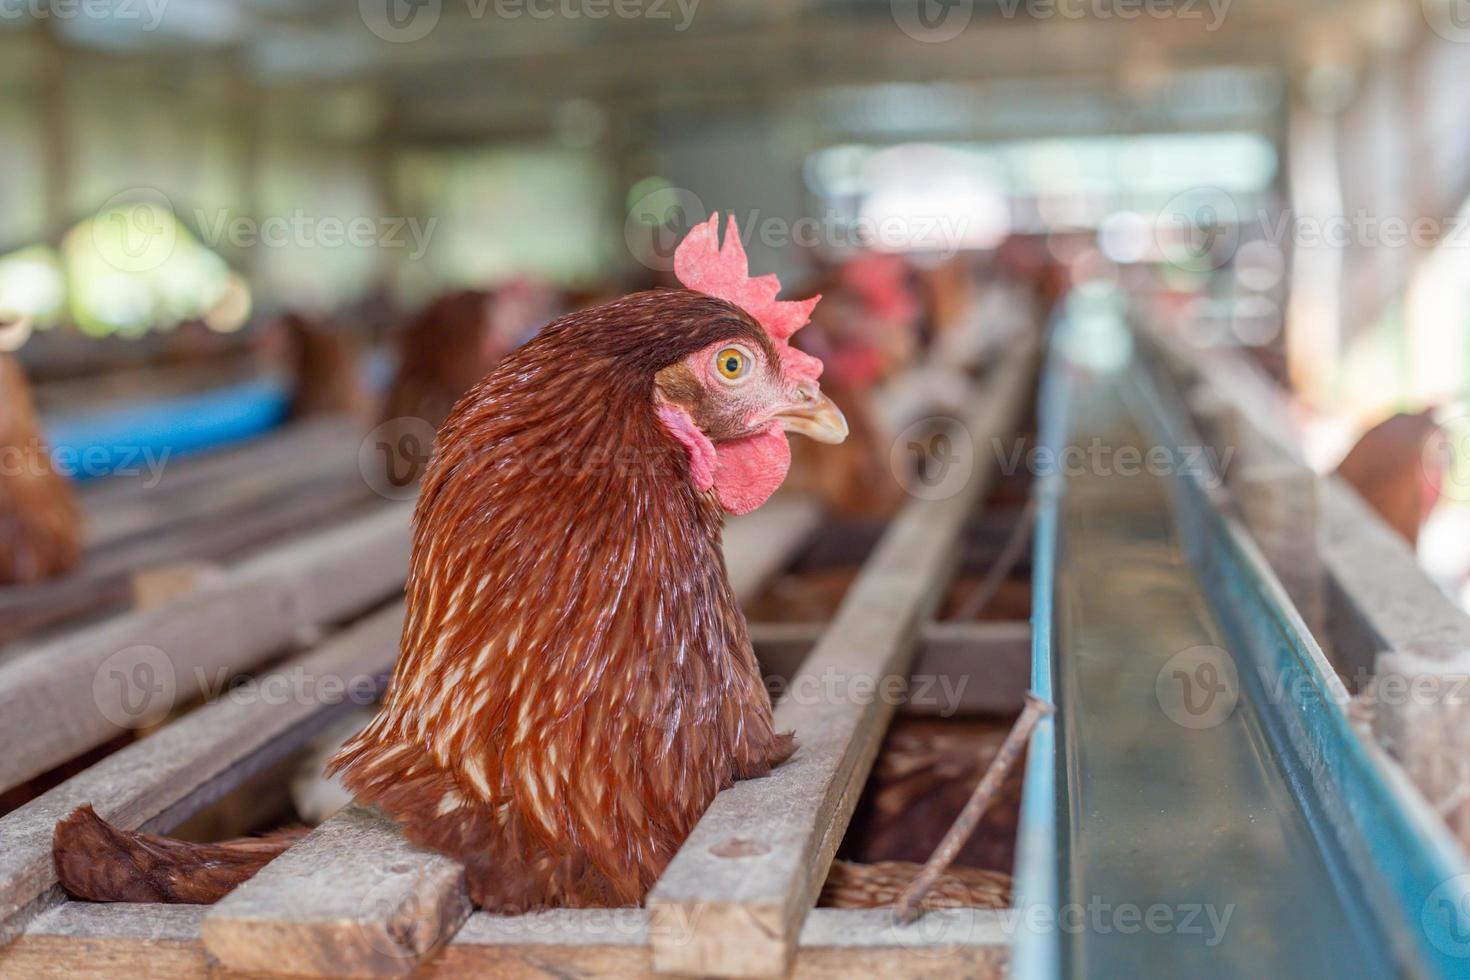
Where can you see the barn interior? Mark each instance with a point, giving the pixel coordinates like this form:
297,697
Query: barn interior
1149,326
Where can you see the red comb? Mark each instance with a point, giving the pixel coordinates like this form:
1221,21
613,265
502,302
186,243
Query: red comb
704,265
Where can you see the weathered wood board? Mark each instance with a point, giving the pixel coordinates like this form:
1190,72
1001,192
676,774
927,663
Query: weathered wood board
154,783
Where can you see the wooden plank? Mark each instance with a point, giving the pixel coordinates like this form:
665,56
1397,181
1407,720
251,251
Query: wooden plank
960,668
322,460
970,669
60,699
155,783
154,587
311,913
741,915
302,440
834,943
762,543
78,939
104,581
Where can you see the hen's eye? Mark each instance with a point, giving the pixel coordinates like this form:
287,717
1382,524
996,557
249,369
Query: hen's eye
732,363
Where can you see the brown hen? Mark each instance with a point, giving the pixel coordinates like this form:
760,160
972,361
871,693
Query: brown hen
575,681
40,523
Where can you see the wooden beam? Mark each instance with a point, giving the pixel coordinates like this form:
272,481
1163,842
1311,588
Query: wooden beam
741,915
104,582
205,487
308,439
94,940
970,669
353,899
79,939
62,698
1278,501
155,783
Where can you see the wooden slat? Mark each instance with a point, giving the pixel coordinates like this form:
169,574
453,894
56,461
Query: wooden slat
157,782
62,698
280,449
104,581
1395,605
740,916
86,941
311,913
331,454
834,943
81,940
960,668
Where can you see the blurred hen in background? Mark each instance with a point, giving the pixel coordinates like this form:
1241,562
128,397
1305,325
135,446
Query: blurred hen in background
40,524
865,330
1392,471
456,341
323,364
452,344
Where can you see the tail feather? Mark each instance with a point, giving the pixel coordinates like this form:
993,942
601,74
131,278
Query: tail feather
98,862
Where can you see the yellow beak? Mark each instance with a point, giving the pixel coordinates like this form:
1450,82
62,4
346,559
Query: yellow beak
815,416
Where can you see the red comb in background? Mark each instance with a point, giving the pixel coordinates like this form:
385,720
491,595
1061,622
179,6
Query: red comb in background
704,265
881,279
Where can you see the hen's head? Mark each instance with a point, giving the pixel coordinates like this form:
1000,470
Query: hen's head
731,401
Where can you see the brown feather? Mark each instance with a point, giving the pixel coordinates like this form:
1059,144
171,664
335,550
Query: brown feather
575,682
40,523
98,862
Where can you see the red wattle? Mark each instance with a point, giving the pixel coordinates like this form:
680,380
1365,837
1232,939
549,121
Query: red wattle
748,471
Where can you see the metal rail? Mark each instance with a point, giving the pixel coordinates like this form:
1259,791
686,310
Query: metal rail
1201,764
